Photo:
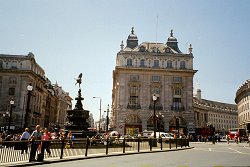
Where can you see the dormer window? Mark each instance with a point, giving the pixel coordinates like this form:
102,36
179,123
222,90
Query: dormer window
182,65
129,62
156,63
169,64
142,63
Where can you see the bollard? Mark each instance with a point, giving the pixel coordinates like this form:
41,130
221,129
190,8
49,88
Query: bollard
150,144
87,146
139,144
63,139
176,143
161,142
170,143
107,146
123,144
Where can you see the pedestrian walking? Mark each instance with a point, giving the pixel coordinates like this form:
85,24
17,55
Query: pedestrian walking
24,138
249,139
236,139
35,137
228,138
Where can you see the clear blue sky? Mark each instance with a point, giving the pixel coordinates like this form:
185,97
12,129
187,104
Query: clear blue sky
74,36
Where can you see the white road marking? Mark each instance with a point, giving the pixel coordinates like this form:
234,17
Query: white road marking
235,150
210,149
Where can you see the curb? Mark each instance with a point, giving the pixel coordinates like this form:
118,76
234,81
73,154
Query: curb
81,157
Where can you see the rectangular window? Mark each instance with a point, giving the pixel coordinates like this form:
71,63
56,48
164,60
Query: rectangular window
182,65
129,62
133,100
133,90
169,64
12,80
156,78
156,63
156,90
177,91
134,78
134,95
177,79
12,91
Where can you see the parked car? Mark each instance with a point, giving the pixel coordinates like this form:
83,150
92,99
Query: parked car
165,136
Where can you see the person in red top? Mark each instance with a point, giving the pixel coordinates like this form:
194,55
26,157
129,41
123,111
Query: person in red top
46,137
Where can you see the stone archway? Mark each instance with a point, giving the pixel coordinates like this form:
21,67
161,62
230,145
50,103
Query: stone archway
133,125
178,123
159,124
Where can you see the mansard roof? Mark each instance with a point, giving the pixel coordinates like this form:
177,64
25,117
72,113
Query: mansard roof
170,47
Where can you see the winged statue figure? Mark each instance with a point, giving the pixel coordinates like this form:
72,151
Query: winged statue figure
79,80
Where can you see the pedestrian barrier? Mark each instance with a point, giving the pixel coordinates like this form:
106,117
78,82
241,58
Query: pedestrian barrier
11,151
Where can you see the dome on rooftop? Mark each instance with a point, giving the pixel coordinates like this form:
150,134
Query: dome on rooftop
132,40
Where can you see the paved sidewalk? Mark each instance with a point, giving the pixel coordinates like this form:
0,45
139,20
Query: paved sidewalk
81,157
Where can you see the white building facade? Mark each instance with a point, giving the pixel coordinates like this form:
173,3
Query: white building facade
148,69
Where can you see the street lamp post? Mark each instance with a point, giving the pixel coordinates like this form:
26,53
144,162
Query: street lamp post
100,112
29,88
11,107
107,124
177,126
154,99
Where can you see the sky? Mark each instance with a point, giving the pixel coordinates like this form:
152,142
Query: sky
69,37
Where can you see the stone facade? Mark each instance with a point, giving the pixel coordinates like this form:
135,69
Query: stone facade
149,69
221,116
16,72
242,100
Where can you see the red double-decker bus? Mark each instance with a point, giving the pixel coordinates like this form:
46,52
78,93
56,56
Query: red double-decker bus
239,132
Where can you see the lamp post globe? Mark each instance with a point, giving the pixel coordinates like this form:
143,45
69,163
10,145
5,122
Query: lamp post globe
29,88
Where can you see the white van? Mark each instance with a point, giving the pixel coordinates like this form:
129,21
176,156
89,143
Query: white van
165,136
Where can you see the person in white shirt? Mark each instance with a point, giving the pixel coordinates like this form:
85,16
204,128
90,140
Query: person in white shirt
25,137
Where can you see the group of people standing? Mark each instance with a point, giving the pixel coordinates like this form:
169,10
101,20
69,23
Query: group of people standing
40,141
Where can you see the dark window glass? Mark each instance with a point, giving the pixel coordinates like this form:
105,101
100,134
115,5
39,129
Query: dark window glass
12,91
183,65
129,62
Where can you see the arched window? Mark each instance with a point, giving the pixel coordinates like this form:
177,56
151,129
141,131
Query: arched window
129,62
183,65
142,63
169,64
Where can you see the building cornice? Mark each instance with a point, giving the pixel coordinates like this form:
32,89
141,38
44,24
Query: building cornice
164,70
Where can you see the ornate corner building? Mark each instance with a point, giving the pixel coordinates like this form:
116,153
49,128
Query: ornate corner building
147,69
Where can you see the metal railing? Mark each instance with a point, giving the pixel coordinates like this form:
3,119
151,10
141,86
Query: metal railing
10,151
